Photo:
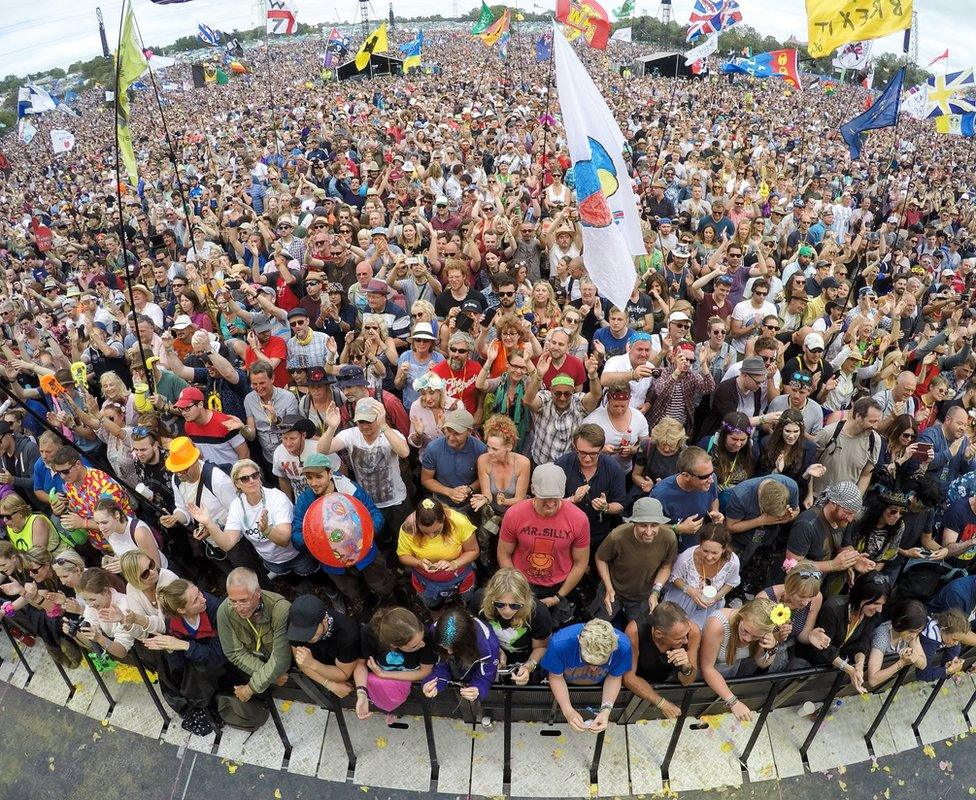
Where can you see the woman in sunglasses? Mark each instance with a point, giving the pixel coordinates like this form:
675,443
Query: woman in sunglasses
27,529
522,625
123,533
800,593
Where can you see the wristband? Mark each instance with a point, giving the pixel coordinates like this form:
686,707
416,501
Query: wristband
361,690
606,707
660,703
8,609
730,701
656,588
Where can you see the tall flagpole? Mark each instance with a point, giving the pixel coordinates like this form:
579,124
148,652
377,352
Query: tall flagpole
274,113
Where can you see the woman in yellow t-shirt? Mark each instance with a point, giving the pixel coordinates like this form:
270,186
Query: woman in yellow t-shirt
439,546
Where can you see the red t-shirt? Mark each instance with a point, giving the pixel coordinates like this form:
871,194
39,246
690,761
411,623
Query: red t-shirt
544,545
460,385
708,308
572,366
275,348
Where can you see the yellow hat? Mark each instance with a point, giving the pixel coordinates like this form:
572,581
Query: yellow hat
183,454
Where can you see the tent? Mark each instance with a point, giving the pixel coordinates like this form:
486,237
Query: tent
379,64
667,63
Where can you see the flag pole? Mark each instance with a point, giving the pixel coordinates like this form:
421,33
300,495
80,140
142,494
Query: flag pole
545,124
118,194
169,141
274,113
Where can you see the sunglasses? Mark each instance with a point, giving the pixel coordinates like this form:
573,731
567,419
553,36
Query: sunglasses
514,606
297,323
702,477
4,517
719,332
459,350
251,476
506,294
34,570
144,575
562,392
682,325
65,470
760,294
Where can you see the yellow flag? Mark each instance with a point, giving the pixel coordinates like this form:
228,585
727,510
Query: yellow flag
131,64
374,43
833,23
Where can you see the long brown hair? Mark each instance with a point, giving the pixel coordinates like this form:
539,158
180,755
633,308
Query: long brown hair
432,512
395,626
792,454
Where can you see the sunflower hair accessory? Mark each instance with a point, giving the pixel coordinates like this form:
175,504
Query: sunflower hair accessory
428,504
780,614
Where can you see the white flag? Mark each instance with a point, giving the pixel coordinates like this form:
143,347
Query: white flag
704,50
915,102
62,141
623,35
281,17
604,191
26,131
853,55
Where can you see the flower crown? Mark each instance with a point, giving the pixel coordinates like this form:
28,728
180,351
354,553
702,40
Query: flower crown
733,429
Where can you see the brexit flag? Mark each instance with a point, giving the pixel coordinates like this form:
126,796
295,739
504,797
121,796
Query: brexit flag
712,16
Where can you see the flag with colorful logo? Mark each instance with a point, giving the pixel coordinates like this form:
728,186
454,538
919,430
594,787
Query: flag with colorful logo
585,18
376,42
281,17
774,64
944,93
712,16
494,31
853,55
882,114
485,18
62,141
834,23
607,205
956,124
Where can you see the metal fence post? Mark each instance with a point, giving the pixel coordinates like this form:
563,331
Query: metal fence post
280,727
928,704
902,674
821,716
435,767
767,706
17,648
101,683
676,734
149,688
507,742
330,702
597,754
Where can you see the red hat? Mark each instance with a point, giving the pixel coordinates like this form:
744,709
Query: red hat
188,397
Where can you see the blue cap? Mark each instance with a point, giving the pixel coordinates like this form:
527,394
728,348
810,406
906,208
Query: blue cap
640,336
664,221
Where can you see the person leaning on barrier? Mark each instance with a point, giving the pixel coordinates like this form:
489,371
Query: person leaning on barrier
253,629
521,624
324,644
665,646
594,653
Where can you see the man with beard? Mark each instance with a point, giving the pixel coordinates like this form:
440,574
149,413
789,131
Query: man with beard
460,371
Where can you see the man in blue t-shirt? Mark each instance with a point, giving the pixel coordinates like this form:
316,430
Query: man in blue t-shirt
587,654
755,508
616,336
690,496
449,467
959,533
959,594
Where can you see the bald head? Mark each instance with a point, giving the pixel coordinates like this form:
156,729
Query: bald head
955,423
905,384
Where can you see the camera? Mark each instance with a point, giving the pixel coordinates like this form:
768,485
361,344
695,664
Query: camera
73,626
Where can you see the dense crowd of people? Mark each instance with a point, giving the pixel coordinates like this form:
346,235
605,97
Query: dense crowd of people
378,291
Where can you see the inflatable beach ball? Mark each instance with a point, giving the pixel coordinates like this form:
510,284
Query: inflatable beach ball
338,530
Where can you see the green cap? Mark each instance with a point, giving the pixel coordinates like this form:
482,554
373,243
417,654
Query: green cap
318,462
806,250
563,380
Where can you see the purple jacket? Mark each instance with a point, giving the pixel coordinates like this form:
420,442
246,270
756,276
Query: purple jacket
481,674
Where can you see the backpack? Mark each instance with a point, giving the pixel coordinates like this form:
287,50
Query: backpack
872,441
921,579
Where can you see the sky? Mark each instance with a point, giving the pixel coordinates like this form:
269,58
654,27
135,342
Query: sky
42,34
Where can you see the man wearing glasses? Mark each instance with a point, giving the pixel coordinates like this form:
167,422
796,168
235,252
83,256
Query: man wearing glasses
797,398
690,496
747,315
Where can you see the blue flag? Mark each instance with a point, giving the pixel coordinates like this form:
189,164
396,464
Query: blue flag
883,114
208,35
543,49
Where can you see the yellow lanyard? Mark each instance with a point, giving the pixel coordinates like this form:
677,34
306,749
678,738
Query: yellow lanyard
257,637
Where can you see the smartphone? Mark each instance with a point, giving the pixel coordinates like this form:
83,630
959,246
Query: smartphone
923,451
464,323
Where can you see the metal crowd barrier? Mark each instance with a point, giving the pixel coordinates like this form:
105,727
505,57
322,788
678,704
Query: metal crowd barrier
534,703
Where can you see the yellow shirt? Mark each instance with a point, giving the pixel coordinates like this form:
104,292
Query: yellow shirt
437,548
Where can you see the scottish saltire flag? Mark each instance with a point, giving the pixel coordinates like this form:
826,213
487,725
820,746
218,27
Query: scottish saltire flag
943,96
33,99
604,190
543,49
882,114
208,35
712,16
957,124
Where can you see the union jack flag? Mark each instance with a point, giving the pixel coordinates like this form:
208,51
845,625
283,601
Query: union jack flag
712,16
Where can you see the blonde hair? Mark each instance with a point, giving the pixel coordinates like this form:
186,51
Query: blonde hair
130,567
803,580
597,640
669,432
379,321
509,580
14,504
757,613
773,497
424,307
69,560
242,464
172,597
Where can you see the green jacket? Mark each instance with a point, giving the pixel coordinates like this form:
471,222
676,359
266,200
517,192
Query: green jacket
239,640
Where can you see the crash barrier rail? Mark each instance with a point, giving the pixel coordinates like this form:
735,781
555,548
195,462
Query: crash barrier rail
508,703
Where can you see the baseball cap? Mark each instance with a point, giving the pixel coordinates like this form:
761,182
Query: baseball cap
813,341
846,495
548,482
471,305
188,397
297,311
296,422
261,323
378,231
304,617
679,316
366,410
317,462
808,251
350,375
459,420
181,323
830,283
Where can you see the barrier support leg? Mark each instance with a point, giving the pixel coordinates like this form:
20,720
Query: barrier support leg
821,716
280,727
767,706
928,704
101,684
507,744
902,674
675,735
435,767
17,648
330,702
149,688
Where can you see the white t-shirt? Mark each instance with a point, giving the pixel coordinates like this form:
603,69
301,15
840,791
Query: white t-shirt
376,466
246,518
746,314
638,430
285,465
638,389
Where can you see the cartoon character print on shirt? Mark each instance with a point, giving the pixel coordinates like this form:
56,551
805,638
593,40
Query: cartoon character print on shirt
540,560
393,661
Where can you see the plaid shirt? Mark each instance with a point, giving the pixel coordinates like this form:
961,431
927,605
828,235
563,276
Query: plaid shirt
552,429
84,496
678,397
314,354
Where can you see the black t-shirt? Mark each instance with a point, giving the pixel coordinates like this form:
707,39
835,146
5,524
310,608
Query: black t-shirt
392,660
445,302
341,644
652,665
517,642
638,309
811,538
